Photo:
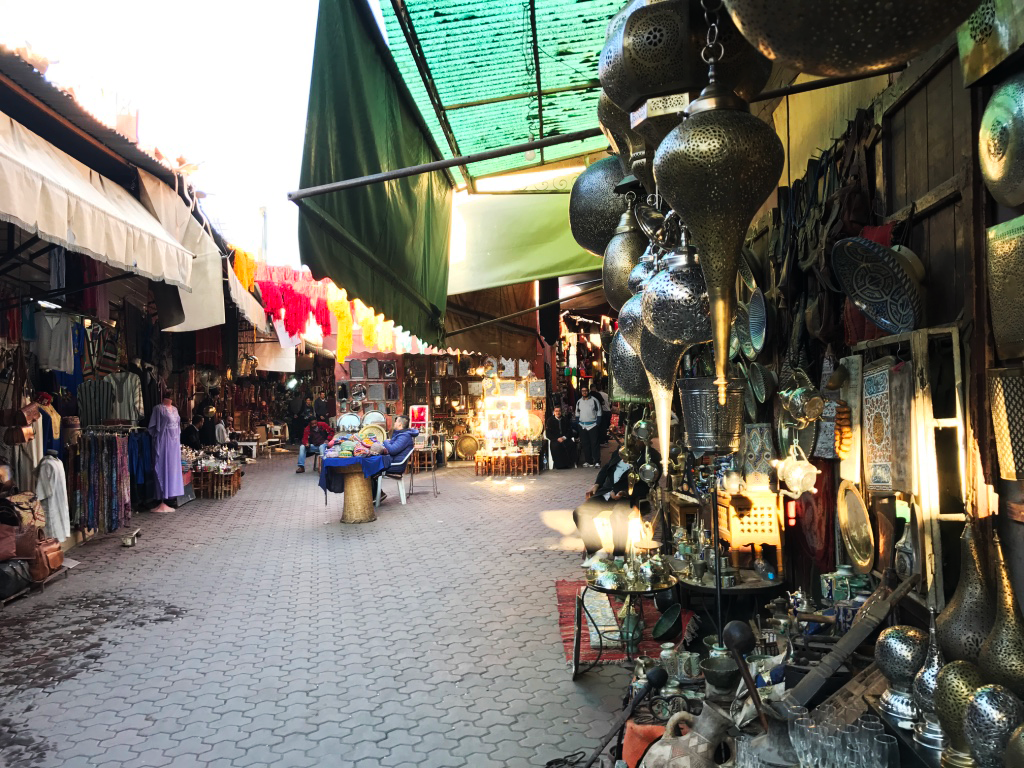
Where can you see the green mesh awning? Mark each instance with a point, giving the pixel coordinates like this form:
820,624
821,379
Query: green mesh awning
480,52
386,244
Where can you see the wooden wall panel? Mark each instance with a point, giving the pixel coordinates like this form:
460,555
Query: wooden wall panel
927,143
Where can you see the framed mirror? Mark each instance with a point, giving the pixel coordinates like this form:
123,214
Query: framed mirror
375,391
358,392
372,368
390,369
391,391
355,369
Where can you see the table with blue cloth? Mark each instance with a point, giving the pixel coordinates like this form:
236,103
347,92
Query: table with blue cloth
351,475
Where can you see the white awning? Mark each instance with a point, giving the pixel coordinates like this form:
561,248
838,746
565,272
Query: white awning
50,194
204,304
247,304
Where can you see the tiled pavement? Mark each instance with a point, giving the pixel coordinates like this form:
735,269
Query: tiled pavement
260,631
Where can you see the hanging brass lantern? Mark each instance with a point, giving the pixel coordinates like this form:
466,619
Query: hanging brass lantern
647,53
622,254
630,320
594,208
675,301
642,272
715,170
627,370
840,37
626,143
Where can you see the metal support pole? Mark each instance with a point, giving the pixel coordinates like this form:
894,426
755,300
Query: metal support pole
825,82
440,165
718,562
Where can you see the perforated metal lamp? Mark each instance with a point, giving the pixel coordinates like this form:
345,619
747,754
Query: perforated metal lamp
620,257
715,170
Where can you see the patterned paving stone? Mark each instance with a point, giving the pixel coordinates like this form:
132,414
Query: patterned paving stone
260,631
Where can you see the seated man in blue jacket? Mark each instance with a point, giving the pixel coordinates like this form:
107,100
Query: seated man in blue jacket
401,442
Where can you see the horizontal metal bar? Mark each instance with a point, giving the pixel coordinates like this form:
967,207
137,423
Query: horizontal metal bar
527,95
824,82
440,165
59,292
526,311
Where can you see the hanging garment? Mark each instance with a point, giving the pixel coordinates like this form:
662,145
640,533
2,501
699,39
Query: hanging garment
165,427
50,433
57,271
95,401
51,488
53,345
127,390
27,457
70,381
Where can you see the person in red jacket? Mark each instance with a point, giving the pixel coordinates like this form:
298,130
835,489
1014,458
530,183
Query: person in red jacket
314,438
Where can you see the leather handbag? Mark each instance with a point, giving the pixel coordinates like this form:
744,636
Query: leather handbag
8,542
48,559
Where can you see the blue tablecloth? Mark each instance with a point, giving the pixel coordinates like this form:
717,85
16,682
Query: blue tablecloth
372,465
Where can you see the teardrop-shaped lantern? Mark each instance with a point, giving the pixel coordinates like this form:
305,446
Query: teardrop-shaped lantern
594,208
676,307
661,361
630,320
715,170
647,53
627,370
622,254
840,37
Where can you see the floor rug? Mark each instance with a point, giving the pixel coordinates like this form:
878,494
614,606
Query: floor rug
566,590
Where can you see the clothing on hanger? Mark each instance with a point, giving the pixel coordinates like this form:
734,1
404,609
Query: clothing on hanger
51,488
54,345
127,389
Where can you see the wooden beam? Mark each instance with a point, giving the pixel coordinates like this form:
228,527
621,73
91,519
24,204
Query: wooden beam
949,191
914,77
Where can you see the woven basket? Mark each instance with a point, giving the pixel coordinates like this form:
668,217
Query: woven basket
358,498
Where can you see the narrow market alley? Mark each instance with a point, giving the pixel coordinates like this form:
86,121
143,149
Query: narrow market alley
260,631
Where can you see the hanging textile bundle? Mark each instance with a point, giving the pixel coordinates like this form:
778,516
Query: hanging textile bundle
245,268
273,302
337,303
296,309
322,315
386,336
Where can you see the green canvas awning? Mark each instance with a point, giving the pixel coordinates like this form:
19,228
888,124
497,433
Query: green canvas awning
386,244
507,239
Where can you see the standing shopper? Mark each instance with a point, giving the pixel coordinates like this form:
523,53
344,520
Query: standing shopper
563,447
588,412
320,406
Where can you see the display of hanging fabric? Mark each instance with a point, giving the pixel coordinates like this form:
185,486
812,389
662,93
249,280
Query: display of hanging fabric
322,315
386,336
245,268
101,493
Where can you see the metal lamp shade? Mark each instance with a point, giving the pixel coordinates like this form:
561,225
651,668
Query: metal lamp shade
1006,399
715,170
631,320
641,273
620,257
840,37
594,208
627,370
647,53
628,145
711,427
675,305
1001,143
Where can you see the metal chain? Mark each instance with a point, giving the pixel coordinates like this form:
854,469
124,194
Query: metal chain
713,48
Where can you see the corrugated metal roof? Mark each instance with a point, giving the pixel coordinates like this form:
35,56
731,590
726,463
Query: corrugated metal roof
27,78
477,50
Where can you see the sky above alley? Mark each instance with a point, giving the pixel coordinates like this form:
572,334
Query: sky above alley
222,83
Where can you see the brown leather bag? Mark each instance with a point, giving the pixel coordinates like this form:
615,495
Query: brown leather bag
48,559
8,542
